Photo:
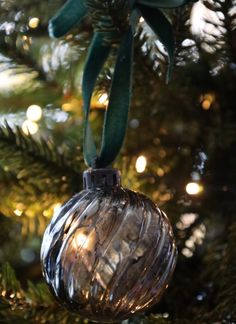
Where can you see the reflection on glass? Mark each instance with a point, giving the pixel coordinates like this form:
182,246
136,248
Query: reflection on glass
108,254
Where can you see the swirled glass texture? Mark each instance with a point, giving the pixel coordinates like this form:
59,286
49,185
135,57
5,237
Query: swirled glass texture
108,254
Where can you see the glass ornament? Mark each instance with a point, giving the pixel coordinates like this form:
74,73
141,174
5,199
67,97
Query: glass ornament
109,252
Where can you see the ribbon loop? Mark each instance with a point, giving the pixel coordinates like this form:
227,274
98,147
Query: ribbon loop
97,55
69,15
116,116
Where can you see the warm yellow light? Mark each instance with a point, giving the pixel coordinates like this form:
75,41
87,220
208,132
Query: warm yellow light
207,100
20,206
34,22
29,127
66,106
141,164
206,104
18,212
80,241
193,188
47,213
3,293
165,197
141,20
186,220
103,99
187,252
210,97
160,172
34,113
71,104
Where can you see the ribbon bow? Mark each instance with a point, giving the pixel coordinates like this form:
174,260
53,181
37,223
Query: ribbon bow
116,115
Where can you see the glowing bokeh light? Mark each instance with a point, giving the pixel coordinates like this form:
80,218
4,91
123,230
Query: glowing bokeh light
30,127
207,100
160,172
80,240
206,104
34,22
193,188
66,106
34,113
141,164
18,212
103,99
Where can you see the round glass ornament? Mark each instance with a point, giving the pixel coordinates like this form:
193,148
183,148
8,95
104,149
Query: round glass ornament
109,252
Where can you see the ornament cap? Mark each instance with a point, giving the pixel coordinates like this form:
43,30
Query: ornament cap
101,178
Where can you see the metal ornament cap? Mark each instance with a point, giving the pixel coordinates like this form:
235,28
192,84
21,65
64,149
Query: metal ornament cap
101,178
109,252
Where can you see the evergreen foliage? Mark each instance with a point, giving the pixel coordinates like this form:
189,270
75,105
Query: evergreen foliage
186,131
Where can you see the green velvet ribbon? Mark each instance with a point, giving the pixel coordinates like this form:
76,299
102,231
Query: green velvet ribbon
116,115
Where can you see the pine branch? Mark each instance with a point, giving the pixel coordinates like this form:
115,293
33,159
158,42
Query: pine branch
40,151
147,51
36,305
181,27
224,276
33,305
151,53
224,42
35,176
23,60
10,10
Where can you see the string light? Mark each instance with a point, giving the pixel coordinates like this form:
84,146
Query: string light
29,127
71,105
187,253
141,164
195,239
160,172
18,212
186,220
34,113
207,100
34,22
193,188
66,106
103,99
206,104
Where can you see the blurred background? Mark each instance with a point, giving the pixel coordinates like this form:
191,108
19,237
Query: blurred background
179,150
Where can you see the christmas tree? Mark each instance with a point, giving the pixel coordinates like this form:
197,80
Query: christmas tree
179,151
